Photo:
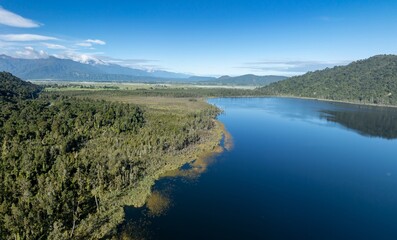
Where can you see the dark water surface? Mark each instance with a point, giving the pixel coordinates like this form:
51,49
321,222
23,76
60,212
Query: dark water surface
299,169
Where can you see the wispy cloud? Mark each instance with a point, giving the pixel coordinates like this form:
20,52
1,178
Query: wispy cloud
31,53
290,67
96,41
25,37
80,57
90,43
14,20
54,46
84,44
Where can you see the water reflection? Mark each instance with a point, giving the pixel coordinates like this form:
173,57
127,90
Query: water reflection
368,121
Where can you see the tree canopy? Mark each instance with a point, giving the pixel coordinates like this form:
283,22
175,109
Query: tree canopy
369,81
68,165
13,88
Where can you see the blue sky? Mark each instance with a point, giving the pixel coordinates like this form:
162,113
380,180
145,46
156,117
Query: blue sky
204,37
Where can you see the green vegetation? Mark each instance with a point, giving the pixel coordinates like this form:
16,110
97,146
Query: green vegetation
370,81
187,92
70,160
13,88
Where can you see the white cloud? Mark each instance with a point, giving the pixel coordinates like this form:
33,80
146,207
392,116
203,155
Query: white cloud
11,19
54,46
84,44
25,37
31,53
90,42
95,41
81,57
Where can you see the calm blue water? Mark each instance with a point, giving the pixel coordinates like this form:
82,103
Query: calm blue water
299,169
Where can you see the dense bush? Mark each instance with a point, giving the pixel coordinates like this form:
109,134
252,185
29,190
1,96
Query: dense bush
372,81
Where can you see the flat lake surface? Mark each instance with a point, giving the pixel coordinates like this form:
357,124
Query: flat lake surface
299,169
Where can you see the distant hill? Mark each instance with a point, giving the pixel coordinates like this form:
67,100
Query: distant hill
369,81
12,88
66,69
244,80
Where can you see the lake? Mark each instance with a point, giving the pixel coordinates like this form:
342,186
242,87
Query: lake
299,169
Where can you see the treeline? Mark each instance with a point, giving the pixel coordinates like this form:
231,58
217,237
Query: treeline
194,92
65,162
370,81
188,92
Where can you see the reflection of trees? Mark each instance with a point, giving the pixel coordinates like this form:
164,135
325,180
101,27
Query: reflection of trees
375,122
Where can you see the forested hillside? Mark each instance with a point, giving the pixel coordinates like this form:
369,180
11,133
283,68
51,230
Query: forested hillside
369,81
69,165
13,88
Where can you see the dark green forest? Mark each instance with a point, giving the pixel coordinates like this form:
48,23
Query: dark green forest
13,88
68,165
369,81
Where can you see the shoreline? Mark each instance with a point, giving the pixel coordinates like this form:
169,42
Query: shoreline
317,99
203,150
339,101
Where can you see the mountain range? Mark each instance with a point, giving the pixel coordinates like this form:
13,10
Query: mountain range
248,79
53,68
67,69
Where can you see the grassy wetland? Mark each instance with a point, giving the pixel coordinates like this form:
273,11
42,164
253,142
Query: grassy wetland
71,169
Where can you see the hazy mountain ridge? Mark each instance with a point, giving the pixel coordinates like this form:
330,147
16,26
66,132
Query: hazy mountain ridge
53,68
248,79
369,81
66,69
